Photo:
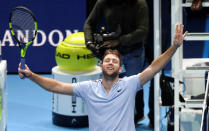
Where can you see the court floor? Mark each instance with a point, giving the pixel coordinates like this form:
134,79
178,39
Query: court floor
30,108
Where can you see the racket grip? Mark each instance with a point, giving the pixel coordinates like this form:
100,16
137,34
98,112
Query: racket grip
22,63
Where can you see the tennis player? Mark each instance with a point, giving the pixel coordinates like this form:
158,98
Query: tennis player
110,101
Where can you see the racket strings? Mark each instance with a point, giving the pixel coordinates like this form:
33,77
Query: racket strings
23,25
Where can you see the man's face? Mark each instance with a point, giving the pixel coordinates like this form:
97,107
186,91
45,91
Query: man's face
111,66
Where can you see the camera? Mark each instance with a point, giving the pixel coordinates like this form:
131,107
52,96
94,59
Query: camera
97,46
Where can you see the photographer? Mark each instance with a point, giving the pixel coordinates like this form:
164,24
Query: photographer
132,17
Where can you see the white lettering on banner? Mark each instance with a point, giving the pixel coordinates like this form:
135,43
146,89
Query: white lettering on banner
7,38
51,34
43,40
21,36
40,39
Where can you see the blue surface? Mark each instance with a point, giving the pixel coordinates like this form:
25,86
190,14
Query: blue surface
30,108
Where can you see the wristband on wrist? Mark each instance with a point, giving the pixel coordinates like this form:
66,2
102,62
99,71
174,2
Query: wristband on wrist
30,75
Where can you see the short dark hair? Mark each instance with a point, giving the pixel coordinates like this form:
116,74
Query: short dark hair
114,52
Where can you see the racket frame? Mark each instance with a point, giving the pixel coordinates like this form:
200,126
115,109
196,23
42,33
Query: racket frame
23,49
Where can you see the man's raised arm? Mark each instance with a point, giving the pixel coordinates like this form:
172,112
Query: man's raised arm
163,59
46,83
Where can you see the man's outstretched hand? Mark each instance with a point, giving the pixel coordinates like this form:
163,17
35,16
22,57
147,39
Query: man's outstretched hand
24,72
179,36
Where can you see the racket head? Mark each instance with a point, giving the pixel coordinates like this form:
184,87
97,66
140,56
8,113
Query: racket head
23,27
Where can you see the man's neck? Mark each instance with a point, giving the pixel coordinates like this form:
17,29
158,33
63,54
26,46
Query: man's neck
107,83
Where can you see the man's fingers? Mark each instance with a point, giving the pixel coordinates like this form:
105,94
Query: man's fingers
185,34
21,75
20,70
181,28
179,35
176,29
19,64
26,67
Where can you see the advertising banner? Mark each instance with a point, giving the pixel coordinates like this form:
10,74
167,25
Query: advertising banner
56,20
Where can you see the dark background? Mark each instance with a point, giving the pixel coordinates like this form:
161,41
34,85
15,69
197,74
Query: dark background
70,15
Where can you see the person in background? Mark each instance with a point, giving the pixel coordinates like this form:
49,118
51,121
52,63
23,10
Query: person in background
196,5
132,18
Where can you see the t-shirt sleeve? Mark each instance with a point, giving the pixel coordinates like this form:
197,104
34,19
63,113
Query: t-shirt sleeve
80,89
134,80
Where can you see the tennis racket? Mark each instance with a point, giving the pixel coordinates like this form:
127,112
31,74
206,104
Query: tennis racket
23,27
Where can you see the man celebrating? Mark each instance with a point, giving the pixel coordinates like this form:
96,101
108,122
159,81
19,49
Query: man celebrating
110,101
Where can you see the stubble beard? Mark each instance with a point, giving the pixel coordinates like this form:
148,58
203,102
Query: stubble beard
112,76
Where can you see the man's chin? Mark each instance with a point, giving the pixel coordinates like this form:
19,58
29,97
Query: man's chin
111,76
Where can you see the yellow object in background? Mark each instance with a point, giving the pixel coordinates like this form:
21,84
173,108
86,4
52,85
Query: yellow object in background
72,54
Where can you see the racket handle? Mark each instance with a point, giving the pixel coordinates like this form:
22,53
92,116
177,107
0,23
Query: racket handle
22,63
